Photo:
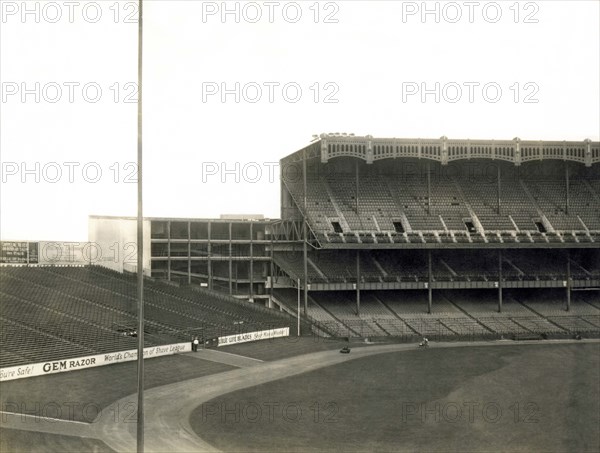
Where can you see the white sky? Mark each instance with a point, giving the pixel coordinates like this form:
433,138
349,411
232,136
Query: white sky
366,57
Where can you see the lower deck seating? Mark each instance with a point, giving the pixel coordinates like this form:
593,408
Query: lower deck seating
553,303
577,324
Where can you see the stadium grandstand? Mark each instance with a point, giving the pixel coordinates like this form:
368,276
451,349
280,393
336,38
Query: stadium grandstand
437,230
377,238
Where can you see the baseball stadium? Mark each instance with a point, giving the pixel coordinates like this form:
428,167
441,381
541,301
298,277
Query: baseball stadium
414,295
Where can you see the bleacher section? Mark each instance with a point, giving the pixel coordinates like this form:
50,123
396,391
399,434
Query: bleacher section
71,311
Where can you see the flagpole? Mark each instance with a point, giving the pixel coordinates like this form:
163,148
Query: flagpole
140,248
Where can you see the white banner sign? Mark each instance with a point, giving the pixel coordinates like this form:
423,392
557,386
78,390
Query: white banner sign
254,336
80,363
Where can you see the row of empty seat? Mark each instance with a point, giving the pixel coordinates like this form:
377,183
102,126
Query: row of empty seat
90,310
340,266
454,313
384,203
460,237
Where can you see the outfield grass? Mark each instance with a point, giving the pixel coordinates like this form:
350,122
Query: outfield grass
506,398
281,348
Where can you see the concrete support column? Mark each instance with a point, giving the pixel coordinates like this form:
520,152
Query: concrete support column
498,201
189,252
251,289
500,283
208,257
568,280
230,263
429,282
357,191
305,236
567,201
358,282
169,250
428,188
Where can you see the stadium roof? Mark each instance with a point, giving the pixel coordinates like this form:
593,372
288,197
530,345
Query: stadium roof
445,150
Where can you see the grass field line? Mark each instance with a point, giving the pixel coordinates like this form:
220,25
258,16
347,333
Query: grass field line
237,355
168,407
227,358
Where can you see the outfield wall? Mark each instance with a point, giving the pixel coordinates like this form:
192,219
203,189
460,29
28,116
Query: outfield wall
80,363
254,336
